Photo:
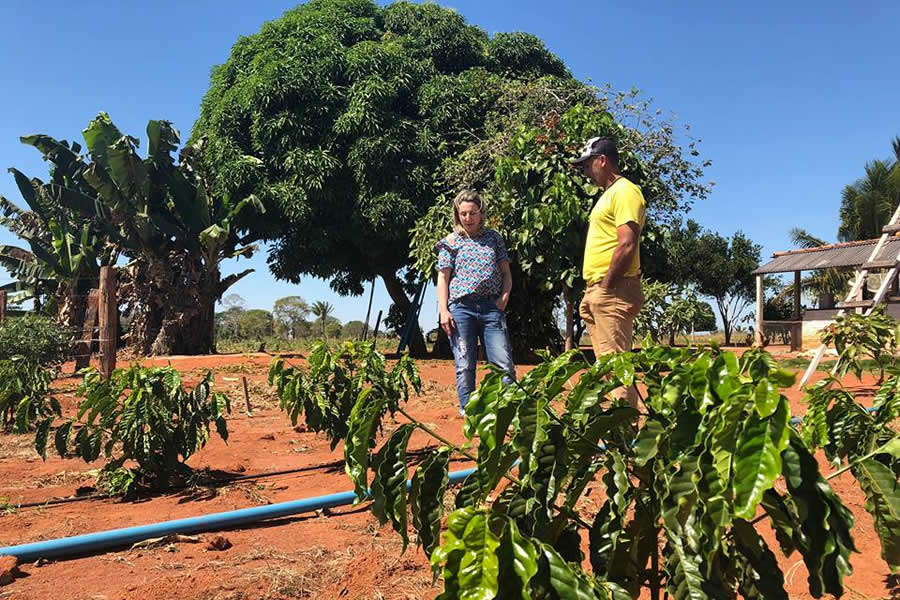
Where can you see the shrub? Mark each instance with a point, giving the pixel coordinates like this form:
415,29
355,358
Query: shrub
327,392
24,394
858,336
37,338
140,414
712,452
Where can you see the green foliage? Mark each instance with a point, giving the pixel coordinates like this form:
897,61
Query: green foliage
322,311
256,323
670,311
290,315
329,390
716,266
823,282
866,441
64,249
161,214
856,337
239,324
338,116
868,204
703,465
353,330
36,338
25,394
144,415
541,205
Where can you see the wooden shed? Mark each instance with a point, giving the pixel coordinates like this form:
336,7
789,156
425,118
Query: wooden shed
850,256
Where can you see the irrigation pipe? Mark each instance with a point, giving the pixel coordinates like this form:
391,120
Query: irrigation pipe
210,483
92,542
239,478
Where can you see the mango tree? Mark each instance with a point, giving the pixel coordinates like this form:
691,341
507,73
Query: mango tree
349,110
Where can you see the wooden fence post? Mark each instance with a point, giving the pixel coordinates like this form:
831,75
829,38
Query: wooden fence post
2,306
760,305
109,326
83,351
247,397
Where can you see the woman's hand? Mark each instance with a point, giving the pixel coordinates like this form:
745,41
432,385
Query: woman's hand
502,301
447,322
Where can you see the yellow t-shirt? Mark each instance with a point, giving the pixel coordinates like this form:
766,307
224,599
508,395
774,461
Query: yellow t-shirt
621,203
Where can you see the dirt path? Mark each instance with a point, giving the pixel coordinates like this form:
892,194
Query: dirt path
339,554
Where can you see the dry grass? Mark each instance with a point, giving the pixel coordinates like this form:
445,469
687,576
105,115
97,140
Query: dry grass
67,478
17,447
244,368
296,575
251,491
286,582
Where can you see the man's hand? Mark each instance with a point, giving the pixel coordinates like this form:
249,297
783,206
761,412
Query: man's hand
447,322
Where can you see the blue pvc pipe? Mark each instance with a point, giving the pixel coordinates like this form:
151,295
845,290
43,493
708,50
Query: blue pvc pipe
798,420
92,542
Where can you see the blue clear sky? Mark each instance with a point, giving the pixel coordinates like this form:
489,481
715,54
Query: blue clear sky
790,98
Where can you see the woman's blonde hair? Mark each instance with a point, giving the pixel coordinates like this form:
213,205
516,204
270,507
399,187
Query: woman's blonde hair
467,196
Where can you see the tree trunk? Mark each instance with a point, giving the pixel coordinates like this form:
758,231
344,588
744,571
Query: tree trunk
417,348
726,324
570,319
172,306
71,301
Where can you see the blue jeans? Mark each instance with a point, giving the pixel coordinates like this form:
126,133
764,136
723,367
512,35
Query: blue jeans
478,318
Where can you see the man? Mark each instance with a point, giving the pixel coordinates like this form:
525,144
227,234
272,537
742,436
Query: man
612,264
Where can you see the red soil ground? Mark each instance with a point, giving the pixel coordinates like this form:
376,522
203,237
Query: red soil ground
340,554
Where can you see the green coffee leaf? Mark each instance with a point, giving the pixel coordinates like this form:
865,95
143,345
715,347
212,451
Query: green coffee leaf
758,458
389,483
426,497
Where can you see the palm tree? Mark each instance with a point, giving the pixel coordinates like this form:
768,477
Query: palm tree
868,204
866,207
830,282
322,310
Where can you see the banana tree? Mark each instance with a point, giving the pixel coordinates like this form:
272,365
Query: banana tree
161,216
64,251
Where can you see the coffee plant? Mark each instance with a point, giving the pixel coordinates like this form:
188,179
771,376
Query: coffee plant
863,440
711,454
856,337
326,392
143,415
24,394
36,338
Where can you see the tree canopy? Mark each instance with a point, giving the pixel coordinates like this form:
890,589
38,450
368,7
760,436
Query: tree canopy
338,116
540,204
718,266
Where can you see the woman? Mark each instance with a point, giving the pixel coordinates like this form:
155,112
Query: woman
473,289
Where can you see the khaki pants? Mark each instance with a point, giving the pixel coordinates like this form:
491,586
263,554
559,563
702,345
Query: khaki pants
609,318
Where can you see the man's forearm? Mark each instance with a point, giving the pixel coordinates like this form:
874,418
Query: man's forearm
621,260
